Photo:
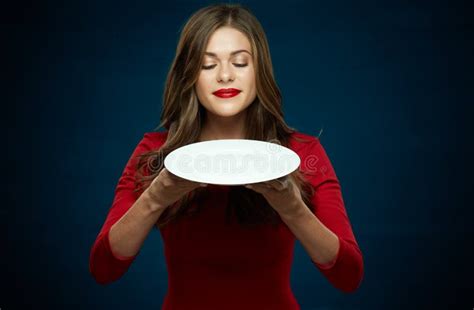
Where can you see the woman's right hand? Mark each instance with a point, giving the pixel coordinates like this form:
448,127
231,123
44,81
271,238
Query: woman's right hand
167,188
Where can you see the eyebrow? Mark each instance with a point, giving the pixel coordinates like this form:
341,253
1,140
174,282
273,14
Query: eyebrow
231,54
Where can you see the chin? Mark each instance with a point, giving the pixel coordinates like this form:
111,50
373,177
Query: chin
228,107
228,113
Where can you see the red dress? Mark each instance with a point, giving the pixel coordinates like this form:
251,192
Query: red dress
215,265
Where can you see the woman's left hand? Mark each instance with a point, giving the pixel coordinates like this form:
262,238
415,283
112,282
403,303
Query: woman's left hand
282,194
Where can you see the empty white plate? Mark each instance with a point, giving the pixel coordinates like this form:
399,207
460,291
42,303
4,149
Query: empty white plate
232,161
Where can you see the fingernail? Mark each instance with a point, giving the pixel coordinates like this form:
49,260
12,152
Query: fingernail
203,184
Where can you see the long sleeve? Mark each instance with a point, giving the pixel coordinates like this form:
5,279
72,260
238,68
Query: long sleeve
104,265
346,271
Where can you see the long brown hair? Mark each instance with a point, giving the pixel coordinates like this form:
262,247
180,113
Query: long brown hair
182,114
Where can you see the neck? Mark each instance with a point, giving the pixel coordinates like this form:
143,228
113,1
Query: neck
217,127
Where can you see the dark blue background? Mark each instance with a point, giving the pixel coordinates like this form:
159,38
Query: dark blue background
389,82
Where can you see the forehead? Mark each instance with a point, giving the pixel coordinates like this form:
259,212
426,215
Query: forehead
225,40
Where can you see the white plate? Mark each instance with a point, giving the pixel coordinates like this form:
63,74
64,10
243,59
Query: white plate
232,161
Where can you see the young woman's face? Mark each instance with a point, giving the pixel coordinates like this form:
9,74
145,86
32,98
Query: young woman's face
223,70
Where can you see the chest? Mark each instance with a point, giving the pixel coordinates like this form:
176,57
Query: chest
208,236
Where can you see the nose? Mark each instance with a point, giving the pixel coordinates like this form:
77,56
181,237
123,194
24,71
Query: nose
225,74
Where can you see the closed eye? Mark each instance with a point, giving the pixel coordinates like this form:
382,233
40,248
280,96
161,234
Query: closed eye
212,66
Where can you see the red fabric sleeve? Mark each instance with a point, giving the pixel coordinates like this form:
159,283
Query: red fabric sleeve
346,271
104,265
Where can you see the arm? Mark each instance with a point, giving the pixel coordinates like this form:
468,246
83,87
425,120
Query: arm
127,235
321,244
128,223
325,231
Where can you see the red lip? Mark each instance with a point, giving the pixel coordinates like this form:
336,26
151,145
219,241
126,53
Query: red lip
227,92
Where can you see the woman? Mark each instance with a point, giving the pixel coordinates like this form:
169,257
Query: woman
227,247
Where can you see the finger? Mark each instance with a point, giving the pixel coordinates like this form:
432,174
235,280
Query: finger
189,183
279,184
276,185
171,175
197,184
260,187
177,180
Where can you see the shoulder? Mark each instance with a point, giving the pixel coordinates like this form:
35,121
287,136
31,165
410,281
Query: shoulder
150,141
303,143
314,158
153,140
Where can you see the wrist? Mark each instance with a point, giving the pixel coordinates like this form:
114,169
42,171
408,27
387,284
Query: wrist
151,204
298,210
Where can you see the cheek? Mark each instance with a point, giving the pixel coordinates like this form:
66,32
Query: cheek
204,81
251,82
250,77
201,85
